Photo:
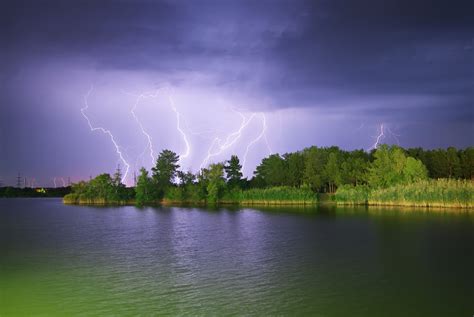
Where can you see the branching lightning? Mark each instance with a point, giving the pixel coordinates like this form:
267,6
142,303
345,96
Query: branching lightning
105,131
148,136
217,147
383,129
178,127
144,132
258,138
395,136
379,137
230,140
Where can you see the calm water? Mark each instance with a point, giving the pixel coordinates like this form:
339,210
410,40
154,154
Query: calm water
70,260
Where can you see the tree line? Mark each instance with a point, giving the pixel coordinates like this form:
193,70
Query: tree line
312,170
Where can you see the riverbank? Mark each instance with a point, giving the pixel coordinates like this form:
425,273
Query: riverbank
171,203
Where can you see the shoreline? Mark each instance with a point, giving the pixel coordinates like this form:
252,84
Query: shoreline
272,204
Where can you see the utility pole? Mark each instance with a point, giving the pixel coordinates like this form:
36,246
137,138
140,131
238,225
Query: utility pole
18,180
134,179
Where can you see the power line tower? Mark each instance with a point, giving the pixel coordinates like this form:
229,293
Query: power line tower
18,180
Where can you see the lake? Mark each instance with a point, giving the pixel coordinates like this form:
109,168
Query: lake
322,261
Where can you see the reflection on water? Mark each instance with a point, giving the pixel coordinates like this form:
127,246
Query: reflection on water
327,260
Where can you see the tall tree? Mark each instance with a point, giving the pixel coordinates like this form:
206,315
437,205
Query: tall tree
332,172
145,189
354,167
119,191
295,165
165,170
272,170
414,170
467,163
454,164
216,182
387,167
233,171
314,167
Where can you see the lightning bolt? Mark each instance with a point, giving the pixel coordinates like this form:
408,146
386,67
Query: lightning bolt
230,140
383,130
54,181
379,137
258,138
144,132
105,131
395,136
178,123
178,127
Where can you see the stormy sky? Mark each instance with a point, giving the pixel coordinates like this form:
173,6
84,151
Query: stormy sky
226,77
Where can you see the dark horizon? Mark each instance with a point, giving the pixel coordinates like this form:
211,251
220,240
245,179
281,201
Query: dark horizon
288,74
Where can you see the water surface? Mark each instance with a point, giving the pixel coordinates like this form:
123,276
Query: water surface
326,261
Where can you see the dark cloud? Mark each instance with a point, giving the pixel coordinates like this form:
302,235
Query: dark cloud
394,60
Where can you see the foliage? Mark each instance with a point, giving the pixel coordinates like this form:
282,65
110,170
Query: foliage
391,167
216,182
102,189
145,189
165,171
354,177
233,171
272,170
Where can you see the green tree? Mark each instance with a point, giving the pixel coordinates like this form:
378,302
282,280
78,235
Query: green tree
453,162
187,185
295,165
314,167
467,163
202,183
387,168
165,170
272,170
354,168
332,172
414,170
145,189
119,189
233,171
216,182
101,187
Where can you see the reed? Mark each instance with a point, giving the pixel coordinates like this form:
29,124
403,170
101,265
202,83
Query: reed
352,195
455,193
282,195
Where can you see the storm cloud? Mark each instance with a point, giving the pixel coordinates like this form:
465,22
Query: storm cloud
326,65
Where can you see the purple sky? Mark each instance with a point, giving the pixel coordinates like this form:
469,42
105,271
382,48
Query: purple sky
226,77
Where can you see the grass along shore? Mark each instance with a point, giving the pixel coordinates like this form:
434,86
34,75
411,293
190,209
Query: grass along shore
281,195
447,193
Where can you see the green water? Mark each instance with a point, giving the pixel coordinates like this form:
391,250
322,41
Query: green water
71,260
